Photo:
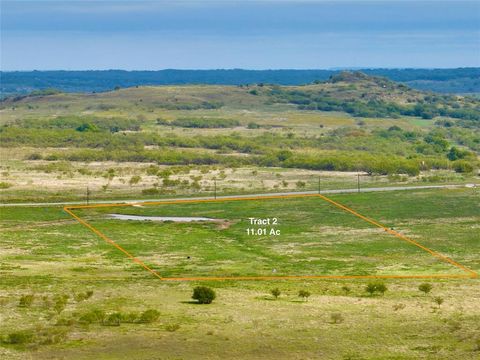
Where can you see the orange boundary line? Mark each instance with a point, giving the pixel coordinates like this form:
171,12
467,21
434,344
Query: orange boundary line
469,273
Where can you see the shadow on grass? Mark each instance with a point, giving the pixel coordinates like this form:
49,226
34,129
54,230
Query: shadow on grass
267,298
191,302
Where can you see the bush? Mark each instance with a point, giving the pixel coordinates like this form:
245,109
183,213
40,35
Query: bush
135,180
19,337
130,318
304,294
336,318
462,166
203,294
5,185
172,327
150,191
275,292
149,316
202,123
93,316
425,287
60,303
372,288
26,300
113,319
83,296
35,156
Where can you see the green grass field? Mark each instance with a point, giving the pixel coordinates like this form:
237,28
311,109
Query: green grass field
315,238
47,254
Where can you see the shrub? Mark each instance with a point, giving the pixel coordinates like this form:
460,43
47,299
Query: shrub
150,191
130,318
113,319
48,336
20,337
172,327
65,321
35,156
425,287
135,180
462,166
336,318
346,289
304,294
300,184
203,123
26,300
60,303
149,316
372,288
203,294
275,292
5,185
83,296
93,316
381,288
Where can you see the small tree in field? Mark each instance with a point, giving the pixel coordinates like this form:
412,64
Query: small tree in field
304,294
425,288
438,300
275,292
372,288
203,294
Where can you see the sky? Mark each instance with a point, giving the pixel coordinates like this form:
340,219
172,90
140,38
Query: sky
269,34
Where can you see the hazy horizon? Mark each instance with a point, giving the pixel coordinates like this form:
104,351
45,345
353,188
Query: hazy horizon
250,35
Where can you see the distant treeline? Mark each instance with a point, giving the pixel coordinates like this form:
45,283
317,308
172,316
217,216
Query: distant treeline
461,80
201,123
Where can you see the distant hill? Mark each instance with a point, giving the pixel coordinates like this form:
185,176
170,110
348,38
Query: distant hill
355,93
457,81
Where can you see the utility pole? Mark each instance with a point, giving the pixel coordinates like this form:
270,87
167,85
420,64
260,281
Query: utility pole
88,195
358,182
319,184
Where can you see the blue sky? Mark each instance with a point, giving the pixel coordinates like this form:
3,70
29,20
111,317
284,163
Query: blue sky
202,34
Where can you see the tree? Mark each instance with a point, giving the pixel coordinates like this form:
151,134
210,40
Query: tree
425,288
275,292
455,154
304,294
438,300
203,294
87,127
